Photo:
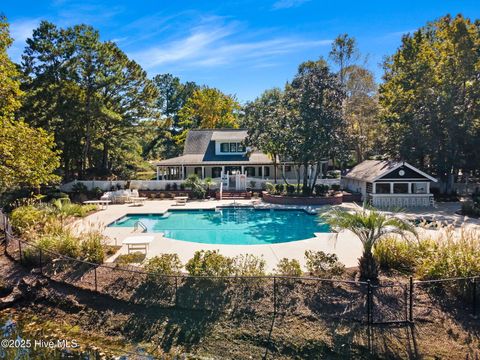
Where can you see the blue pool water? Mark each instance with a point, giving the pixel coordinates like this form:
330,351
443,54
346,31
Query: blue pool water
239,226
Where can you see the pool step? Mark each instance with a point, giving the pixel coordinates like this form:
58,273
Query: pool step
233,195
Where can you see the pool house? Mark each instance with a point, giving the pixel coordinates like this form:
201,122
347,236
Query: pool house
385,183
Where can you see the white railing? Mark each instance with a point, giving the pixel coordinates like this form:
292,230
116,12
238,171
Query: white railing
401,200
107,185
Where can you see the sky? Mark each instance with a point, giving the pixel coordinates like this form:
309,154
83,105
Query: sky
242,47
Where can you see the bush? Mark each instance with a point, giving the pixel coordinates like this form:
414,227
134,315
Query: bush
396,254
174,187
279,189
252,184
287,267
269,187
194,183
290,189
451,254
163,264
168,186
79,188
335,187
92,247
97,192
132,258
210,263
471,208
323,265
25,218
249,265
321,189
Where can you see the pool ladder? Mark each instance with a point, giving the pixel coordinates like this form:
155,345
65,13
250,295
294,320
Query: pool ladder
139,224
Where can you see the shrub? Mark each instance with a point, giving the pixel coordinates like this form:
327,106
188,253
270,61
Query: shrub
323,265
163,264
194,183
287,267
249,265
252,184
24,218
168,186
335,187
279,189
79,188
97,192
174,187
270,187
290,189
396,254
210,263
450,254
132,258
471,208
92,248
321,189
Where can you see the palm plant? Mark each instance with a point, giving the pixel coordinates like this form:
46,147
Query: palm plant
369,225
208,182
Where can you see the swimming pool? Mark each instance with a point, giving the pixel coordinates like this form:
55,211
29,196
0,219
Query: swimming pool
230,226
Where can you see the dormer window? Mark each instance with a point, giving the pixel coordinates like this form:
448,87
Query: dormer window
232,147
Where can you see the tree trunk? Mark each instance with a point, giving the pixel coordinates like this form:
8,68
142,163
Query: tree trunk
368,267
306,188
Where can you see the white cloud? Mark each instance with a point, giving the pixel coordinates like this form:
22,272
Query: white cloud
286,4
21,30
214,45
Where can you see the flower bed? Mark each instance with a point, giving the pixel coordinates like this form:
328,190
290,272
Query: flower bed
335,199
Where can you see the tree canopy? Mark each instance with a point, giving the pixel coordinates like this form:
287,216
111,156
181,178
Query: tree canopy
27,155
89,94
430,97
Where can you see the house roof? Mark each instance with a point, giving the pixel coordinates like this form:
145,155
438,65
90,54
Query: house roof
199,149
372,170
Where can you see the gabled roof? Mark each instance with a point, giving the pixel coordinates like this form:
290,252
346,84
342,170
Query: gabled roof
372,170
199,149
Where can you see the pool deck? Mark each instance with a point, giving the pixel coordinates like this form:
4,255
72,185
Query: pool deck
345,244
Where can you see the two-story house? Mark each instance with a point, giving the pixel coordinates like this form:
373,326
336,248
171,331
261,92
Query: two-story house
211,153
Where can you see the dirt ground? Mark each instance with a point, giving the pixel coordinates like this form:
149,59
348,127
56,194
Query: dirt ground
116,326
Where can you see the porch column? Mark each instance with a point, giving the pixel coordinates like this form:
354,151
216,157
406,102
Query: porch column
391,188
428,187
223,170
283,171
203,172
409,187
158,170
263,172
374,188
243,169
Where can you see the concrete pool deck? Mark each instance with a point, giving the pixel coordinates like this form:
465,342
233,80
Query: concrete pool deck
345,244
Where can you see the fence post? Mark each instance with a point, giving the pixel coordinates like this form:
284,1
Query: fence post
474,296
95,273
20,250
369,302
410,312
40,260
176,291
274,295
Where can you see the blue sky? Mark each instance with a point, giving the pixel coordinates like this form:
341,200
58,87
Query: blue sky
241,47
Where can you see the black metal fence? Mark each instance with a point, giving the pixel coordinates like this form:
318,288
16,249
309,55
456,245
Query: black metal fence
326,298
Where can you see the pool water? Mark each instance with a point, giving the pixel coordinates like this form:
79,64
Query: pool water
231,226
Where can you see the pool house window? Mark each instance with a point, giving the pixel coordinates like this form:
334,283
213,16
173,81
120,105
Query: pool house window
400,188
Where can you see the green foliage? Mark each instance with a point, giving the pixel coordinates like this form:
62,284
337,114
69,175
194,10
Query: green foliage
91,96
249,265
92,247
210,263
323,265
429,98
208,108
163,264
369,225
79,188
335,187
321,189
196,185
288,267
270,187
24,218
393,253
471,208
132,258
